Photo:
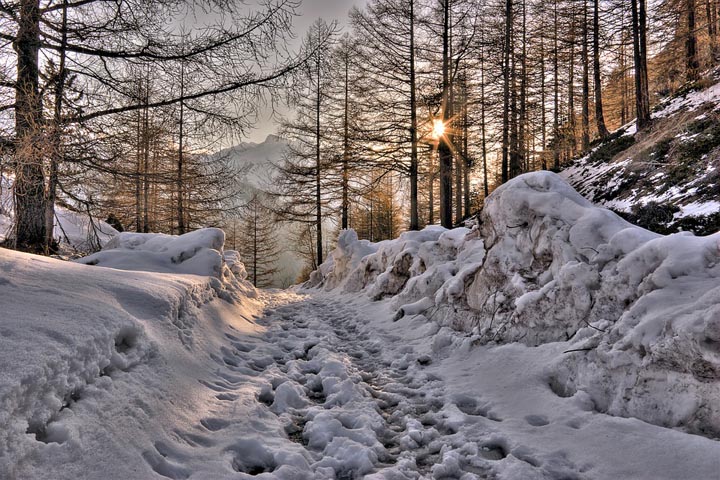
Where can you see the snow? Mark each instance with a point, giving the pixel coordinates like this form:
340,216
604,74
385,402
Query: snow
548,266
197,253
602,181
75,232
554,340
698,209
102,369
690,102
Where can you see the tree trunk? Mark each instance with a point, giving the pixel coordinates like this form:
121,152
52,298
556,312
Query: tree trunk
522,138
459,161
585,82
692,66
29,188
483,138
431,194
414,218
255,240
444,149
571,144
599,116
514,145
180,174
318,192
138,169
543,110
556,90
146,158
346,147
642,96
710,13
56,154
465,154
506,91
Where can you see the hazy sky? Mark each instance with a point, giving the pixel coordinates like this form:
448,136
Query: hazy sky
311,10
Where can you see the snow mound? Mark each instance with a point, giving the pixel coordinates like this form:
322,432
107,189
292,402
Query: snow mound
102,368
196,253
642,310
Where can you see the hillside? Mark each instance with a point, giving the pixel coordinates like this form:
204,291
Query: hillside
75,232
666,179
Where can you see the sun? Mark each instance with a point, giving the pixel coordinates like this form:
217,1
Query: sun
438,128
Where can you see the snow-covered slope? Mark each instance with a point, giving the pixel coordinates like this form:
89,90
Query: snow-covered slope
640,311
75,232
100,369
668,177
255,161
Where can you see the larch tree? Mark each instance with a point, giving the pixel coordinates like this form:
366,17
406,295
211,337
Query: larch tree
307,170
98,42
258,240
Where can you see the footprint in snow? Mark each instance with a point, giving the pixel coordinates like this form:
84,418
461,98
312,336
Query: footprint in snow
537,420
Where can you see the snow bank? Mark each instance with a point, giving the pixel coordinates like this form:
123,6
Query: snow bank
197,253
101,368
545,265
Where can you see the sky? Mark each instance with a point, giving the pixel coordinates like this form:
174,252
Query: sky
310,11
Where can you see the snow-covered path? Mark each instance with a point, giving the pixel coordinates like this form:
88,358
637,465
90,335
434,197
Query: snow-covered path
330,387
349,400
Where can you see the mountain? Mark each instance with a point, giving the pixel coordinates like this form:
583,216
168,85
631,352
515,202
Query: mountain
255,161
255,164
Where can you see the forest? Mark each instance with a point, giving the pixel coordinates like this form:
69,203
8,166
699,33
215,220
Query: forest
480,239
409,115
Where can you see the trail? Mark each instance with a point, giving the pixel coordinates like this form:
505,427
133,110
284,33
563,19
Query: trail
356,399
329,387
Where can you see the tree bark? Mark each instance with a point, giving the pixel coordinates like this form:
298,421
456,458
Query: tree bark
543,110
642,96
445,152
585,82
599,115
346,145
692,65
180,174
483,137
138,168
30,228
522,121
318,191
414,218
556,90
506,91
146,159
56,154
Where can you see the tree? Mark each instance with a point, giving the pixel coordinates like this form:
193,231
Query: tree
642,95
597,80
445,153
308,169
258,241
692,63
101,43
387,43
